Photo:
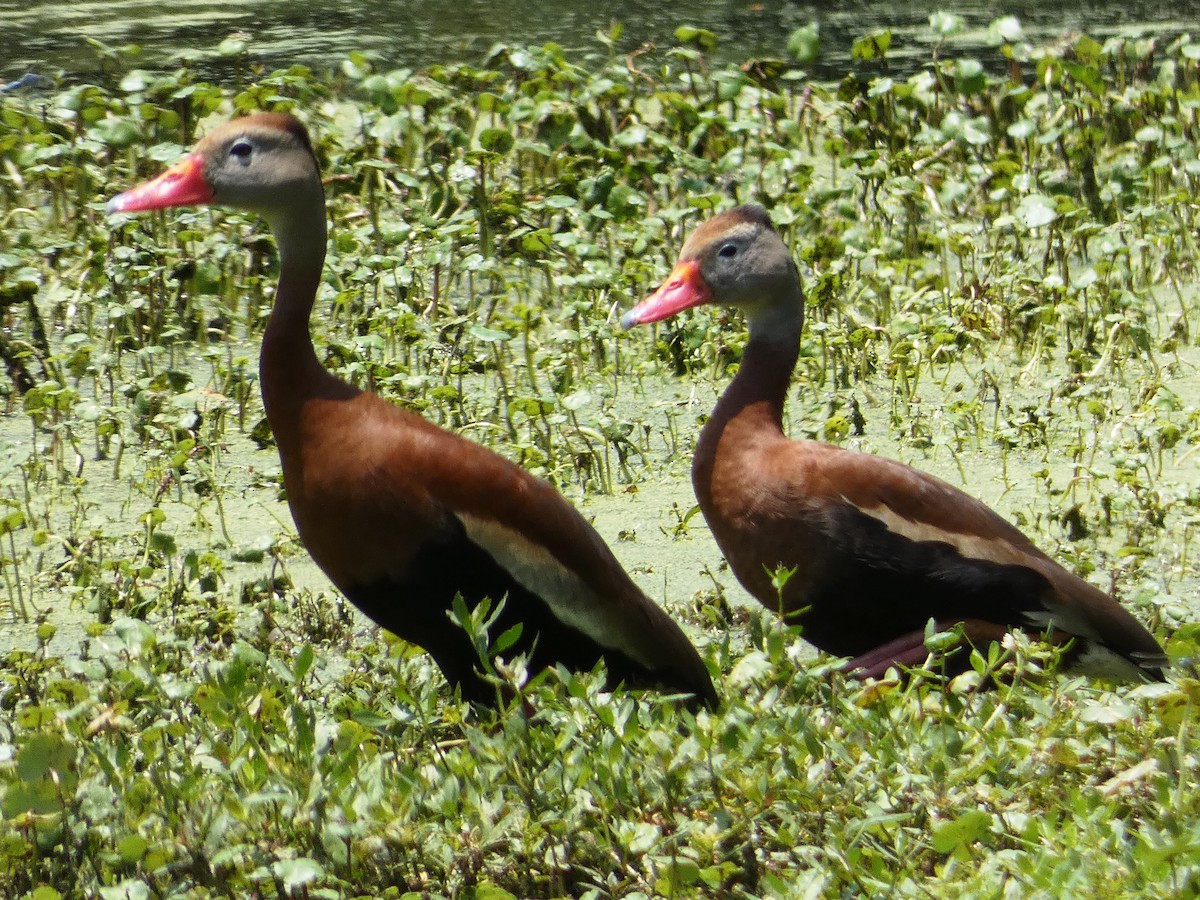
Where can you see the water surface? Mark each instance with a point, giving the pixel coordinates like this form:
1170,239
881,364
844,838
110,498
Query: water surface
51,35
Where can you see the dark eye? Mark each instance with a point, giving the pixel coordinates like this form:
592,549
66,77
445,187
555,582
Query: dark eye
242,149
728,250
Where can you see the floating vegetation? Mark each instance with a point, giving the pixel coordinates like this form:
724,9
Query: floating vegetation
1000,257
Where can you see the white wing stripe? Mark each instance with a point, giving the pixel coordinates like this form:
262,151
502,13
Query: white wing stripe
570,599
971,546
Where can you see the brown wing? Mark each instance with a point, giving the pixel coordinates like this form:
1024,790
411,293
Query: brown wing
410,515
881,548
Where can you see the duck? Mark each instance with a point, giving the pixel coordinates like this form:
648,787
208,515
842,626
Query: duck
869,551
401,515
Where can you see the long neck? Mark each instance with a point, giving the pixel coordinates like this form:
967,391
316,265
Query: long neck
752,406
288,365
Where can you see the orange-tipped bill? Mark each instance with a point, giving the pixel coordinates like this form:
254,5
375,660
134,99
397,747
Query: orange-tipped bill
683,289
183,184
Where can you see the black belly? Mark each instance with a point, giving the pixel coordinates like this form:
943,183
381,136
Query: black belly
872,585
417,608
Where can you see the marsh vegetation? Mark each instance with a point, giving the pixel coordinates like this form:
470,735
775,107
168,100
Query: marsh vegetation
1001,271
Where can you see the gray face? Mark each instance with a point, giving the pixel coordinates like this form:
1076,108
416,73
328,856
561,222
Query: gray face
748,266
259,169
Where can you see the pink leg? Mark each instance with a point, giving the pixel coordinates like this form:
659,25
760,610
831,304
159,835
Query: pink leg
909,649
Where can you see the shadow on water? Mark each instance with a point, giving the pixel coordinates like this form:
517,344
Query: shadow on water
51,35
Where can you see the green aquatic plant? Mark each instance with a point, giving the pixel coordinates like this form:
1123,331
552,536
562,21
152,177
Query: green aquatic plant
1000,259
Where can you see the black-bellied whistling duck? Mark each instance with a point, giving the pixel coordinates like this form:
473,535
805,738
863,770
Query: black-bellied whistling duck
400,514
878,548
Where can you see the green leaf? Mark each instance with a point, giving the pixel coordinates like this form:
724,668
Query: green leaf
117,133
231,46
507,639
1037,210
136,635
488,335
537,241
356,67
304,662
1089,51
1006,29
163,542
487,892
966,829
496,140
1111,712
130,889
11,521
969,78
946,25
1021,129
44,768
805,43
298,872
679,873
700,38
132,848
872,46
881,87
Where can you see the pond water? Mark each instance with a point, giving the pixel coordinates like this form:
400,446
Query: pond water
51,35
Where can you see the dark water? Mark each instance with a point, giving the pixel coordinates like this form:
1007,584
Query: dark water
50,35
